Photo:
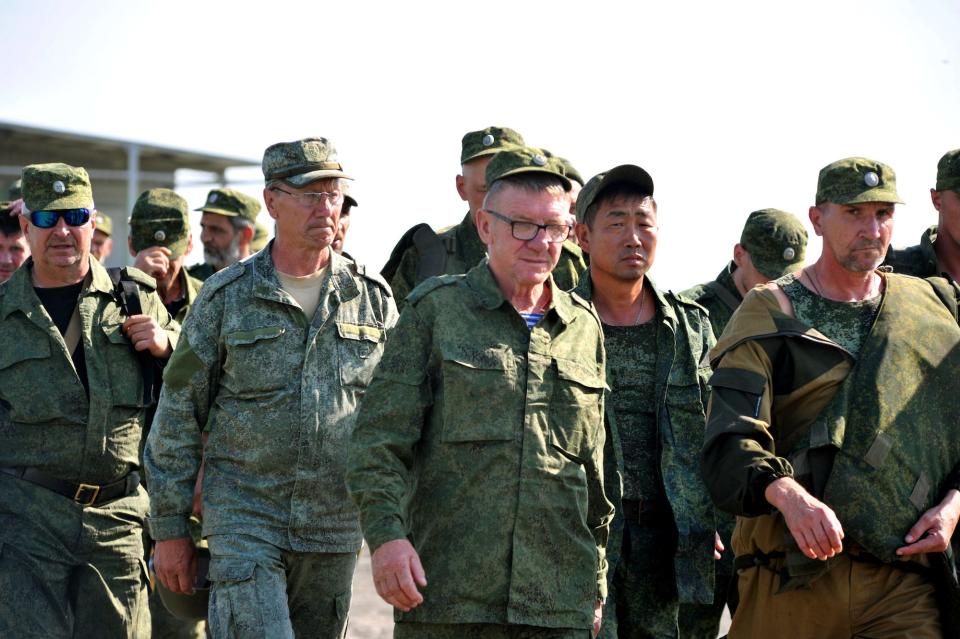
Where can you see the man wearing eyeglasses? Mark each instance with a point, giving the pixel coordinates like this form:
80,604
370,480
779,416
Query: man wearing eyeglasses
276,353
664,542
422,253
477,458
72,409
227,230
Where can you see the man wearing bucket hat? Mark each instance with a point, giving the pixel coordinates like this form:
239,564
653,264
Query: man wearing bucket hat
228,229
160,238
73,402
476,462
939,249
277,351
662,546
102,243
832,433
423,253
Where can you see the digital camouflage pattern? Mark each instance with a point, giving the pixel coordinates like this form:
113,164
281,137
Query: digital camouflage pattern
277,393
919,260
857,180
301,162
201,271
948,171
477,144
56,186
231,203
463,250
104,223
624,173
191,287
717,303
524,159
679,393
261,235
160,218
482,442
846,323
862,441
776,242
48,539
570,171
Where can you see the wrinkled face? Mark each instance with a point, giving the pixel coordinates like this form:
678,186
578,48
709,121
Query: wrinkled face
61,247
13,251
948,204
101,245
622,239
221,241
525,263
309,222
855,235
472,183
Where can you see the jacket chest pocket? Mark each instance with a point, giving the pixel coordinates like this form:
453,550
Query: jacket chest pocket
576,409
126,376
359,348
479,393
257,362
22,367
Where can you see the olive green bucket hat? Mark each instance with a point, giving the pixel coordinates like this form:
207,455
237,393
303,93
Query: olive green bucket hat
776,241
231,203
855,181
56,186
160,218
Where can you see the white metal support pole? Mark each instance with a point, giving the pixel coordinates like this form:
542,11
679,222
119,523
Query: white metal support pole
133,190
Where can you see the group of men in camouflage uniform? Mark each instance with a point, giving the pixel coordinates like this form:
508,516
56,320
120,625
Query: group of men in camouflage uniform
539,445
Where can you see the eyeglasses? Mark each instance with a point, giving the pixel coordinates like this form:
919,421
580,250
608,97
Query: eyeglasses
313,199
526,231
49,219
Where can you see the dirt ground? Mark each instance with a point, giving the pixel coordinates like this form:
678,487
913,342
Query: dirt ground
371,618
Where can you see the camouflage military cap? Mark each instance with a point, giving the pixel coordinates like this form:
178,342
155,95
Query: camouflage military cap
524,159
948,171
261,235
301,162
231,203
570,171
776,242
52,187
104,223
160,218
14,191
348,199
488,141
623,174
855,181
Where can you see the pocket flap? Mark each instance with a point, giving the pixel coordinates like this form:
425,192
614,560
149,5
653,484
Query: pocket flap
489,359
33,349
360,332
254,335
577,372
231,569
114,333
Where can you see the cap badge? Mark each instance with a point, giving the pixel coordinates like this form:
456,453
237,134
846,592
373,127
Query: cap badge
159,236
871,179
539,160
487,140
58,187
212,198
789,253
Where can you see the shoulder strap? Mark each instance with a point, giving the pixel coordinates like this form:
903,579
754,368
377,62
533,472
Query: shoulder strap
948,292
433,252
725,296
127,294
74,329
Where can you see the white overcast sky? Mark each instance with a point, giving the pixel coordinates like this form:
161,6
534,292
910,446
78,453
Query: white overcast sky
731,106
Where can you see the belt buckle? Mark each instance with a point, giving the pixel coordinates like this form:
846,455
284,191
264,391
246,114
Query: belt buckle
95,492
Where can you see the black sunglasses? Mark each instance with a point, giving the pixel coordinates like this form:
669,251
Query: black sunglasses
48,219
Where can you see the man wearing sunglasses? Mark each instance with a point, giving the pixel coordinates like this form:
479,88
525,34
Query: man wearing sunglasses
72,409
477,458
275,356
227,230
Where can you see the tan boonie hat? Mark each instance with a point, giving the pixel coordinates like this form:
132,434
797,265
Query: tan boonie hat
855,181
776,242
488,141
104,223
301,162
160,218
524,159
623,174
948,171
57,186
231,203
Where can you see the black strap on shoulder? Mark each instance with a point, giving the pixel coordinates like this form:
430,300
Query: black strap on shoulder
433,253
127,294
725,296
949,293
393,262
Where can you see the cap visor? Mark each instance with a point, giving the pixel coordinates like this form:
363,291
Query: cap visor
532,169
309,178
213,209
874,195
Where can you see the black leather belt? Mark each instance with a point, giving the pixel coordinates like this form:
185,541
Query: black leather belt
83,494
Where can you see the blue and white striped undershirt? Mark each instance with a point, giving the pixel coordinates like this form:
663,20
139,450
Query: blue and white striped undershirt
531,319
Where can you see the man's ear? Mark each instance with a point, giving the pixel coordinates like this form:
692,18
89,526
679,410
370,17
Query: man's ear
130,247
483,222
815,215
246,235
582,231
461,189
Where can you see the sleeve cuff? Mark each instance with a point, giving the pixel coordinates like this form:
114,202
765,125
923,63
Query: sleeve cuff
171,527
383,531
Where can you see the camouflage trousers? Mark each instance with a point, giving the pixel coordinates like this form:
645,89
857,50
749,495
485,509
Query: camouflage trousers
260,590
702,621
642,594
408,630
69,571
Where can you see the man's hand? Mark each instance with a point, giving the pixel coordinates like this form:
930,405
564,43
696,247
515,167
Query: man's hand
146,335
812,523
597,617
717,546
175,562
933,530
16,208
154,261
397,572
